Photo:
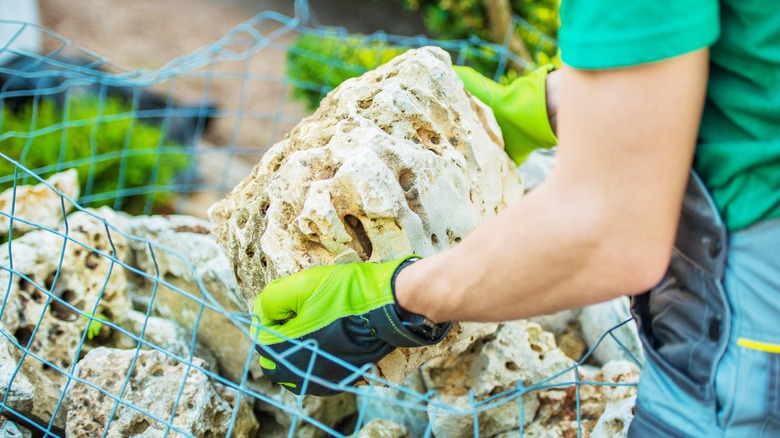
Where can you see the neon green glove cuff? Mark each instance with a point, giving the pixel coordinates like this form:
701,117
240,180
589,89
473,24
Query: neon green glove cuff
520,109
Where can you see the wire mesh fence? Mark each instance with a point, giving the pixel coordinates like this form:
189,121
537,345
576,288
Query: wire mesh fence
118,325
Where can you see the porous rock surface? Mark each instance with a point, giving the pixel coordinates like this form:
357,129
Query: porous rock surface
39,204
522,352
52,276
203,408
191,272
400,160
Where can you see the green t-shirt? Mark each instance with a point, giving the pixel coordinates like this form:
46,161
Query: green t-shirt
738,153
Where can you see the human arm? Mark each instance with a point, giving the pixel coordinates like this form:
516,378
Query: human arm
602,225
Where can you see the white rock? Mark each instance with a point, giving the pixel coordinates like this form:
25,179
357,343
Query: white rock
398,161
51,275
40,205
184,256
156,384
382,429
519,351
599,319
396,405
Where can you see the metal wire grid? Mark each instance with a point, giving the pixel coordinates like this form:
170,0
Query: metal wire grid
252,38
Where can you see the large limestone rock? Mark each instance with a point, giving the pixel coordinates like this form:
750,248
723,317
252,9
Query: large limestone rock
400,160
40,205
156,385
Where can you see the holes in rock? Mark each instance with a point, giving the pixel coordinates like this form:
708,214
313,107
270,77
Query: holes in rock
428,136
23,335
387,129
434,239
511,366
49,281
26,285
264,262
355,229
92,261
61,310
250,252
406,179
37,296
452,238
242,216
365,103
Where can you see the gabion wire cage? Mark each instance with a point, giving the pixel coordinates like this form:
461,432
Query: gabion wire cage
151,300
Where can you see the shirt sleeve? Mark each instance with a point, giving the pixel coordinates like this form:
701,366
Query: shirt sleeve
599,34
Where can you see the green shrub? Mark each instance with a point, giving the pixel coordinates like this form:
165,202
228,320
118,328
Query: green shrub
317,64
122,162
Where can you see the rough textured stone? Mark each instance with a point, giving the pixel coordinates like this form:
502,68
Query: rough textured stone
9,429
154,386
400,160
22,392
160,333
40,204
522,352
192,270
604,409
519,351
329,411
598,319
382,429
394,405
57,275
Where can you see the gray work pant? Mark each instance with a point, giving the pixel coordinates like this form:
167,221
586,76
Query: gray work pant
711,331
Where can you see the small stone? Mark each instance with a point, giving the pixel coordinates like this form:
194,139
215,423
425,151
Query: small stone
40,205
602,320
382,429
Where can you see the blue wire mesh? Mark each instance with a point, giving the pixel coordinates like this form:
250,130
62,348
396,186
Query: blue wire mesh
77,319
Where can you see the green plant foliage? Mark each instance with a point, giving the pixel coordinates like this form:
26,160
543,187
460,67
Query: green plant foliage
122,162
318,63
458,19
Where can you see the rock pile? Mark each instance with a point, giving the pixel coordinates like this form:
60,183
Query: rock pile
152,311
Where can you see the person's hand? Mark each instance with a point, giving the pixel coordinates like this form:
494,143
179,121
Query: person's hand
526,109
349,310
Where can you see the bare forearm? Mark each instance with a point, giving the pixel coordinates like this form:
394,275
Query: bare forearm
548,256
602,225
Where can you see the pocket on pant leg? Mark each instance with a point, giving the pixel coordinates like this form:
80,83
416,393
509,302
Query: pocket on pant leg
773,387
770,353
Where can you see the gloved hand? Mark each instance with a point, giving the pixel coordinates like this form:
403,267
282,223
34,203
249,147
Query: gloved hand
349,310
520,109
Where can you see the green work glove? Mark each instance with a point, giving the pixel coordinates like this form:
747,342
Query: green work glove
349,310
520,109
